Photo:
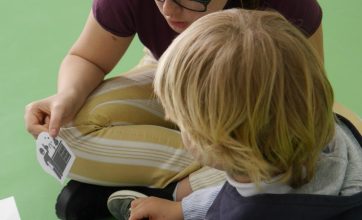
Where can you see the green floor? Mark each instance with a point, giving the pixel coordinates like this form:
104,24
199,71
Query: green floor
34,37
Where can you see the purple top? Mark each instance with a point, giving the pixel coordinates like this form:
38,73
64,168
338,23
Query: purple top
125,18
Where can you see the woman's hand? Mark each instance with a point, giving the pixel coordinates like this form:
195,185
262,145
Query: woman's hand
51,113
153,208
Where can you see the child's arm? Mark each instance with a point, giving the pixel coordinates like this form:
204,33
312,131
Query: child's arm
193,207
196,205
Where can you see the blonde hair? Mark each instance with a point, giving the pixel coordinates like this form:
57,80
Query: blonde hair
251,93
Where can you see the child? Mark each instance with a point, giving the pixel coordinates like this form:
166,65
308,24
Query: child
116,125
251,97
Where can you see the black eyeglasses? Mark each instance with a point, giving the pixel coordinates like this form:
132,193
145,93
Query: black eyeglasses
192,5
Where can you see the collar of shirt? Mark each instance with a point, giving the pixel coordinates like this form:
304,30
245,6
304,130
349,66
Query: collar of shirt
250,189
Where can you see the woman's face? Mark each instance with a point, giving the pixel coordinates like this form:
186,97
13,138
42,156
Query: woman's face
179,18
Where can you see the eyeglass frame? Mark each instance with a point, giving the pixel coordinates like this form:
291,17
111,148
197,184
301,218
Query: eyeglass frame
182,6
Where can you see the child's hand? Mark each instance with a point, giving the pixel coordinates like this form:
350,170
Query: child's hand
155,209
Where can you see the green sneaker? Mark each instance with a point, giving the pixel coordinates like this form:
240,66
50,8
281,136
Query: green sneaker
119,203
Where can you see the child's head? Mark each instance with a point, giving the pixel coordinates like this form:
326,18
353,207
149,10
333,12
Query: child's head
250,93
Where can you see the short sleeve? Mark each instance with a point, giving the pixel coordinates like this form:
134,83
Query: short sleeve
115,16
304,14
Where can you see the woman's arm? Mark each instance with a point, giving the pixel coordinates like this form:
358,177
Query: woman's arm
317,41
93,55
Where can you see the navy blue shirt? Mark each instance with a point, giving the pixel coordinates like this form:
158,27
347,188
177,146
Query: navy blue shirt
230,205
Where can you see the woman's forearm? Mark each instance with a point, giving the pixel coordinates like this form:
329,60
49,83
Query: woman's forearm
78,77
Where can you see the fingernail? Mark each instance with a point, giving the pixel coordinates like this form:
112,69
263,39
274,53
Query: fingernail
53,132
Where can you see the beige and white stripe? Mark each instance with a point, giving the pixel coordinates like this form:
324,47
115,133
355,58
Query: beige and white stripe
120,137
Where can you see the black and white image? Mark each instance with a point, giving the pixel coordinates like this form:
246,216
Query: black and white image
54,155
